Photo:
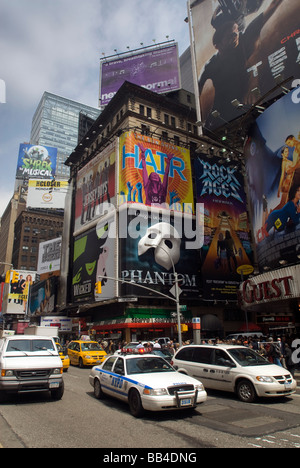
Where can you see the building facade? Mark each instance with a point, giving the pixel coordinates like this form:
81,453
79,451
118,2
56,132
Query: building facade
136,119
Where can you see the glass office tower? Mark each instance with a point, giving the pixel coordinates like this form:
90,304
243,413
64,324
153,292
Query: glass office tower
55,123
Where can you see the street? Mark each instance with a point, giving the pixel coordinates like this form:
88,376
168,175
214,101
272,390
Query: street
81,421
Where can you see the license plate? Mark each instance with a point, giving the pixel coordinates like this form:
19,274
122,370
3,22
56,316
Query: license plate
287,386
186,402
54,385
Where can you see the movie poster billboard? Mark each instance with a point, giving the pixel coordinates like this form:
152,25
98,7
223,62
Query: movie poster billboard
43,297
36,162
95,187
156,70
153,245
94,260
17,287
273,171
155,173
242,48
226,255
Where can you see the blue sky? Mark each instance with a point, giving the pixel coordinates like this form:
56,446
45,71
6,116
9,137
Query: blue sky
56,45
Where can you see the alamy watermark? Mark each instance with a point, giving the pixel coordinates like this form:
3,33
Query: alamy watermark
157,223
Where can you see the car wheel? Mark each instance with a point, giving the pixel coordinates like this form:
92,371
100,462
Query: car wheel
58,393
81,363
246,391
98,390
135,404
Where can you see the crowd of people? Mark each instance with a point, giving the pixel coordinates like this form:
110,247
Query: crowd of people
281,350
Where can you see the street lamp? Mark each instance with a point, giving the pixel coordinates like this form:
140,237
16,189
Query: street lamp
177,294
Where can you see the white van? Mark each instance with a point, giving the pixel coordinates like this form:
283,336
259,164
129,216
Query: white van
234,369
236,336
30,363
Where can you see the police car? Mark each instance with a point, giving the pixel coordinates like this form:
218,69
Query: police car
146,382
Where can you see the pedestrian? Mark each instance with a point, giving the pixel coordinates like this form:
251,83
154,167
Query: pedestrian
156,345
274,352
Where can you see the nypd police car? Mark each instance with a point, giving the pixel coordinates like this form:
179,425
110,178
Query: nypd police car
146,382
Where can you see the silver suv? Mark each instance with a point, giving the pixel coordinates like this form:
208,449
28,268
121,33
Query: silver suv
234,369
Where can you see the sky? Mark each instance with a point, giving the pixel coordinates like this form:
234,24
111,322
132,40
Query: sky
56,46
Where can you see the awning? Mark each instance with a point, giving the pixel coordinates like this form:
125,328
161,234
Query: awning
210,322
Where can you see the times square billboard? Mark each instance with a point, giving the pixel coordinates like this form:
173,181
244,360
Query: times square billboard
241,48
272,154
156,70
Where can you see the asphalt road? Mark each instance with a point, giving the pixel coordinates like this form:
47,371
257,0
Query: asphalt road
81,421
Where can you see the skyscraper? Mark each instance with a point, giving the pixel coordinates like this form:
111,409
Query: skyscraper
55,123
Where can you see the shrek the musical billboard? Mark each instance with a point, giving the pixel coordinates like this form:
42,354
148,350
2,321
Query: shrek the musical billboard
242,49
273,171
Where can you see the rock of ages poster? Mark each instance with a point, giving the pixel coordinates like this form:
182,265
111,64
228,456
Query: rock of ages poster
227,252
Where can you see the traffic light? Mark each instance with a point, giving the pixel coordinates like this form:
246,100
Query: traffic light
98,287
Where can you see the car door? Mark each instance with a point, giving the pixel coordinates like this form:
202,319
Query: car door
71,352
202,358
220,370
106,375
119,385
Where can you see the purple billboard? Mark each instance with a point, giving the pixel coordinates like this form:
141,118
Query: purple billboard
156,70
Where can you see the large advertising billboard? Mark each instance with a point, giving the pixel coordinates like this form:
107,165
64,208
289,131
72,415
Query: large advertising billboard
95,187
47,193
95,257
154,244
242,48
155,173
156,69
226,255
36,162
16,291
43,297
273,170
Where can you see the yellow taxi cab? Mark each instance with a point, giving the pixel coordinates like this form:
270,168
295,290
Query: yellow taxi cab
85,353
63,356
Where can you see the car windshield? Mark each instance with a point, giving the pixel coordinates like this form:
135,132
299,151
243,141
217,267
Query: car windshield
90,346
147,365
30,345
247,357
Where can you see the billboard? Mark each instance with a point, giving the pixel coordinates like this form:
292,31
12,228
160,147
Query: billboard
155,173
226,254
156,70
95,187
154,243
94,259
273,170
43,296
46,193
36,161
49,256
16,290
240,46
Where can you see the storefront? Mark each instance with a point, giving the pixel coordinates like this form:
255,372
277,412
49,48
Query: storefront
274,297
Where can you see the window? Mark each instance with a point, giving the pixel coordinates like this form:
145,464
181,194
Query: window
221,358
149,112
142,109
119,367
203,355
109,363
185,354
